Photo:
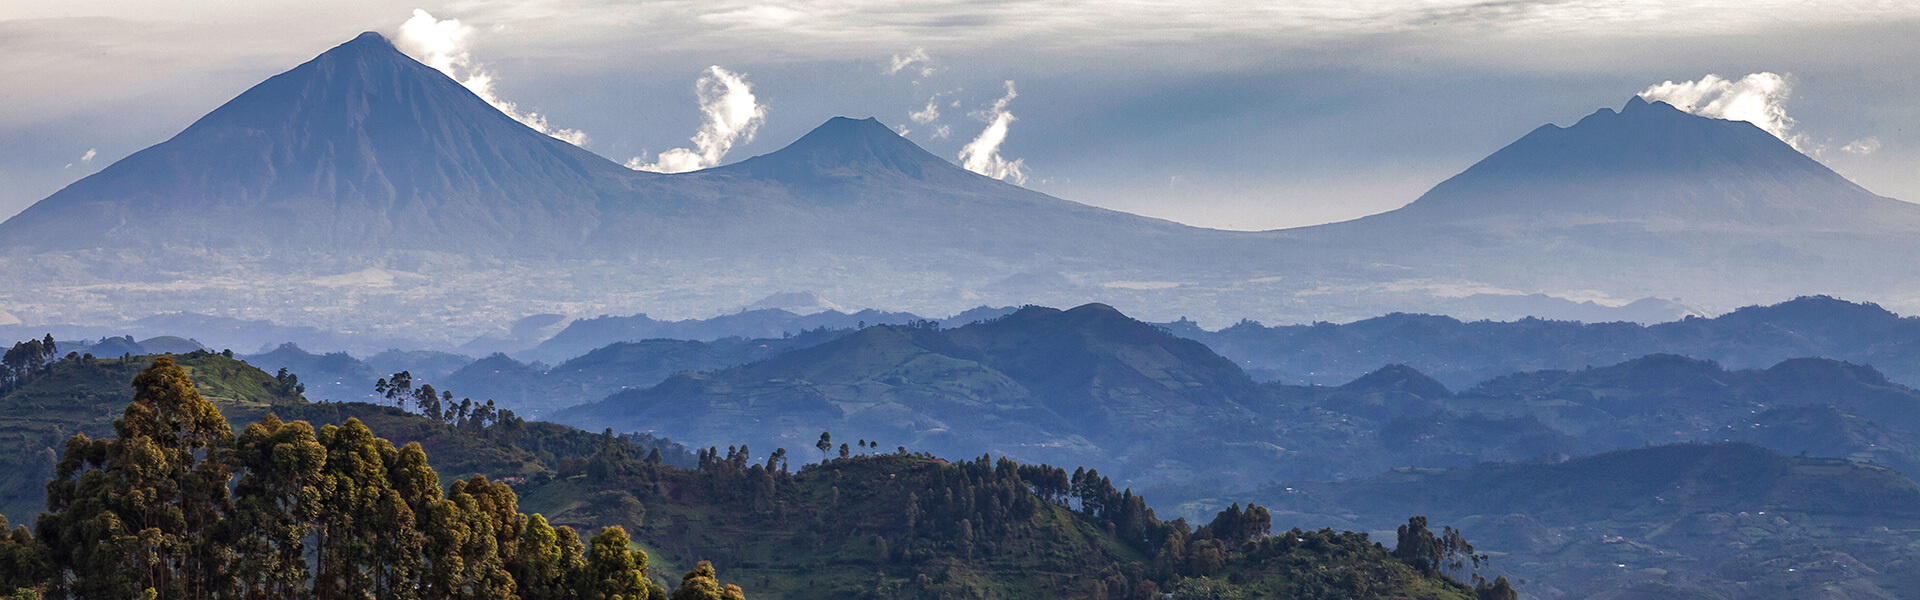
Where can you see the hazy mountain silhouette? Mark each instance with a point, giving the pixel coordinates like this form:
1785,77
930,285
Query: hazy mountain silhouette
1652,163
364,162
361,147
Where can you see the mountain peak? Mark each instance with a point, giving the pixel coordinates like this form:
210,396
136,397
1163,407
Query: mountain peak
346,150
847,148
1649,161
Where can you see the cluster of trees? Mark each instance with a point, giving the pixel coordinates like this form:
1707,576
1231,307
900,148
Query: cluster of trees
498,423
177,506
1447,553
26,360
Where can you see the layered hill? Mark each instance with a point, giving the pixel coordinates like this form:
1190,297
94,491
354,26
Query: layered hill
1461,354
1088,385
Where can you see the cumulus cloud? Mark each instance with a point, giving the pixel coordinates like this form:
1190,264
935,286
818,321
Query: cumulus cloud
444,45
929,114
732,114
918,56
982,155
1758,98
87,159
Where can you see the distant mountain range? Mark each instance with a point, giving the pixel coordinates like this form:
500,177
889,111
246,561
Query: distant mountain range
410,200
1462,354
1092,386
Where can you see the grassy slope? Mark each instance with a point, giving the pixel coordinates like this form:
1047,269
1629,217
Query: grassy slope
85,396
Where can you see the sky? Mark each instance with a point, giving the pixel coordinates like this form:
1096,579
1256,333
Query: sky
1229,114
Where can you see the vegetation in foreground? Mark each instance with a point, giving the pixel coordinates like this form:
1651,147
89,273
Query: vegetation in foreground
866,524
176,506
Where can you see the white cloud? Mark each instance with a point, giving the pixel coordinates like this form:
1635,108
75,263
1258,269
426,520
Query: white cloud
982,155
87,159
1758,98
732,114
443,45
942,132
1862,146
918,56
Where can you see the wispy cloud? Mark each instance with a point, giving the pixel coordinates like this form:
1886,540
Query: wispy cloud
1862,146
918,56
982,155
444,45
1758,98
85,159
732,114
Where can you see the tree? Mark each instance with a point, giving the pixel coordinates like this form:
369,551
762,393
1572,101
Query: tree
1498,589
703,584
276,506
1430,554
22,563
612,571
144,511
825,444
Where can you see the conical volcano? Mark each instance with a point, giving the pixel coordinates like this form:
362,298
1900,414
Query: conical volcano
1653,163
361,147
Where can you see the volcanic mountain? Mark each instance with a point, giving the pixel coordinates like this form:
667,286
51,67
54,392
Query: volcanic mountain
364,150
366,172
361,147
1646,201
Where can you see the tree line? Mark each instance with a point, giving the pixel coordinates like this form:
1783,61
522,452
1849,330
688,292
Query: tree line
26,360
178,506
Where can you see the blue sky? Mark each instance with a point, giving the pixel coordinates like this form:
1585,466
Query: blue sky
1223,114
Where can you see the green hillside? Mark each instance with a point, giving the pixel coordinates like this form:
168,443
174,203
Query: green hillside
85,395
1731,521
875,524
1085,386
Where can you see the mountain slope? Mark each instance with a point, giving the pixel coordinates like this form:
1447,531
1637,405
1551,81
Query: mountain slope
1652,163
359,147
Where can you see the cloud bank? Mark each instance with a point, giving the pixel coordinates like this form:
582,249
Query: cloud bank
982,155
1758,98
732,114
443,45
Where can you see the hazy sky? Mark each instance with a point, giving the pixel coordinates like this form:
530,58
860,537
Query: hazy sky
1247,115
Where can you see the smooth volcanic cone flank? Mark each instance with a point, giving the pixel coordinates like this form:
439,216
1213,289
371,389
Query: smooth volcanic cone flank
360,148
1654,164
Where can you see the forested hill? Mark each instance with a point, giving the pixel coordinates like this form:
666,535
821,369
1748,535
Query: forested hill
1082,386
1728,521
869,523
